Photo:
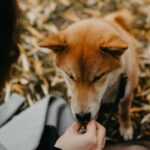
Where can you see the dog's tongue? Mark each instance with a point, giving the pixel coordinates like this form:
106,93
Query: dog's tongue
82,129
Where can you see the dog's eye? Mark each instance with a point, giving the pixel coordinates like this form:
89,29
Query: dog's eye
71,77
96,78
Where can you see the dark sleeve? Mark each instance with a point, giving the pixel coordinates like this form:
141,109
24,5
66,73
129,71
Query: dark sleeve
55,148
48,139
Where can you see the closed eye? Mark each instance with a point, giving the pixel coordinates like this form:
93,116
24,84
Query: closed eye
71,77
98,77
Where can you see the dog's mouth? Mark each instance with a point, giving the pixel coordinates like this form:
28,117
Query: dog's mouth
83,119
83,127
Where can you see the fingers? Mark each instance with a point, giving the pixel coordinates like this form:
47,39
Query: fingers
101,136
75,126
91,127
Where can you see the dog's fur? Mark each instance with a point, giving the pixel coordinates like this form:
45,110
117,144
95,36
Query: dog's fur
92,54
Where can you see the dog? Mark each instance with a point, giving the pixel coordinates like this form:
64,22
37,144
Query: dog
92,54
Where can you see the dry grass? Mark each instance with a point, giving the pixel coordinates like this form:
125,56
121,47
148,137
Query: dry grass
34,76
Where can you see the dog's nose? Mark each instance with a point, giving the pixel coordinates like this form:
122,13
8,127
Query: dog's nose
83,117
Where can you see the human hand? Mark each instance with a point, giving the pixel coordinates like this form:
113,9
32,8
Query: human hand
93,139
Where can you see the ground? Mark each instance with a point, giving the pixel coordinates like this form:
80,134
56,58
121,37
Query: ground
34,75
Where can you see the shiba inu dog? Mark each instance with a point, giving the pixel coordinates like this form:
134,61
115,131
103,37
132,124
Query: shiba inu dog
92,54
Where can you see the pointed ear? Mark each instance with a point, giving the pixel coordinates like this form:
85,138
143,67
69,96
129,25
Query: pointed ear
114,46
55,43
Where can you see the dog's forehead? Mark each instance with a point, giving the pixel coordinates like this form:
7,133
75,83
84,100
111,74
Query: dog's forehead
85,65
90,66
90,30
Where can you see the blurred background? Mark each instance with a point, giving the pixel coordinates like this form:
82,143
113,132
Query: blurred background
34,75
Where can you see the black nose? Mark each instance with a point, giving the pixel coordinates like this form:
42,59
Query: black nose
83,117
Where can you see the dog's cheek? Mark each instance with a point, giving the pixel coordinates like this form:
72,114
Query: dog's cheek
94,108
72,110
102,89
98,97
70,87
75,107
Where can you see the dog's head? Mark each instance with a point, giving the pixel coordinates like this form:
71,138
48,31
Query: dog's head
87,52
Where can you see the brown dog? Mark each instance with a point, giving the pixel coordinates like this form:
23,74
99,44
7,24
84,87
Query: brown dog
92,54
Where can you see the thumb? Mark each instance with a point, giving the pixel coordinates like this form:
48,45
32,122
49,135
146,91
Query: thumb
101,135
75,126
91,127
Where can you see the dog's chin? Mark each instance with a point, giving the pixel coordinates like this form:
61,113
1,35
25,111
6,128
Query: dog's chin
95,118
96,115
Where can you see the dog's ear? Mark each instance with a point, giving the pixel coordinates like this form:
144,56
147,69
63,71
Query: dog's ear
55,43
114,46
